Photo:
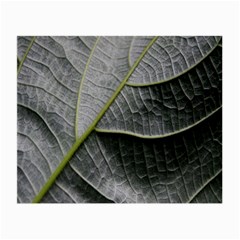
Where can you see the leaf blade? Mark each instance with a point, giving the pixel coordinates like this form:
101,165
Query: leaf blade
95,175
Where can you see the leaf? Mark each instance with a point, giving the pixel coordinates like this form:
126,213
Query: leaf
119,119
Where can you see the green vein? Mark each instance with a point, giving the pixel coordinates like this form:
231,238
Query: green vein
18,61
155,136
204,185
25,55
130,48
81,85
79,141
176,76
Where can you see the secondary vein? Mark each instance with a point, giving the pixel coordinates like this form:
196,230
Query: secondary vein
204,185
176,76
139,135
25,55
81,86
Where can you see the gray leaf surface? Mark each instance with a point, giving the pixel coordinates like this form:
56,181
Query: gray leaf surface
22,45
148,109
172,169
172,56
169,107
106,69
136,48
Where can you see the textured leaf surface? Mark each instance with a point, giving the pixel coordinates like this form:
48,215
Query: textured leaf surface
169,107
23,43
105,70
170,57
115,93
126,169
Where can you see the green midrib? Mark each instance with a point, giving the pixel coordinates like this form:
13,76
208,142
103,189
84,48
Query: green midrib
79,141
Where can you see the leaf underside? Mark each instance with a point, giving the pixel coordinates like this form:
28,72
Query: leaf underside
119,119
